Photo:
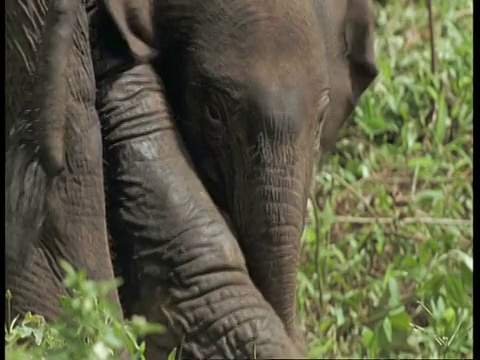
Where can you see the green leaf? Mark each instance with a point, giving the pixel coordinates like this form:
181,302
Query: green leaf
467,276
338,311
319,348
463,257
454,290
450,317
388,275
408,262
401,321
441,121
380,237
394,291
328,216
173,354
429,196
421,161
387,329
368,338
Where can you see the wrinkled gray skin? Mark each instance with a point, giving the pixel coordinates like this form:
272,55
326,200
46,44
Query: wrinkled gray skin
252,127
68,209
257,87
188,261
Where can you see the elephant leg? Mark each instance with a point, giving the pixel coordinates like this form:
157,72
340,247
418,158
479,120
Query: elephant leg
191,274
72,215
35,288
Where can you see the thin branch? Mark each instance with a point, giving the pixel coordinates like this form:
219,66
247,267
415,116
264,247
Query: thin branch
433,59
406,220
349,187
404,299
317,251
432,115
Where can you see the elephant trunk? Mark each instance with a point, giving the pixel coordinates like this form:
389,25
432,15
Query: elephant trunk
272,220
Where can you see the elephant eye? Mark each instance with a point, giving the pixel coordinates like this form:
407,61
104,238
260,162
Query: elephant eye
323,104
212,112
215,128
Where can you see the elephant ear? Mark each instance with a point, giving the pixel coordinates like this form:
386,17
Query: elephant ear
134,20
347,28
359,38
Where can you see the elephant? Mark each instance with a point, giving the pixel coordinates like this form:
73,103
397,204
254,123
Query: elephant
256,87
62,216
193,101
210,297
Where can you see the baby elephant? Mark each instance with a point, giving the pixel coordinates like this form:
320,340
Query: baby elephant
256,88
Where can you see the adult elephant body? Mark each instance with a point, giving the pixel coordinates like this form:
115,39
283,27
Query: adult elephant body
69,209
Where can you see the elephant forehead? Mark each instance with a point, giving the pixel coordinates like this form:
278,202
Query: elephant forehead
279,93
269,72
258,31
284,107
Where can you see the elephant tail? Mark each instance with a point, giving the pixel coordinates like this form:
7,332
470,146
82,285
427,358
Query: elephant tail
25,193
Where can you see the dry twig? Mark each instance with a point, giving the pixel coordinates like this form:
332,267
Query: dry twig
406,220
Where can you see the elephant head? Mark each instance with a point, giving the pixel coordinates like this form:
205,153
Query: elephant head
257,87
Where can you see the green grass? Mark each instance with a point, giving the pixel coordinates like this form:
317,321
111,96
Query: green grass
387,262
387,254
89,327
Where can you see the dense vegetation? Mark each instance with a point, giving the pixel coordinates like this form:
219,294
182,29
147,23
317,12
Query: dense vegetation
387,262
387,255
